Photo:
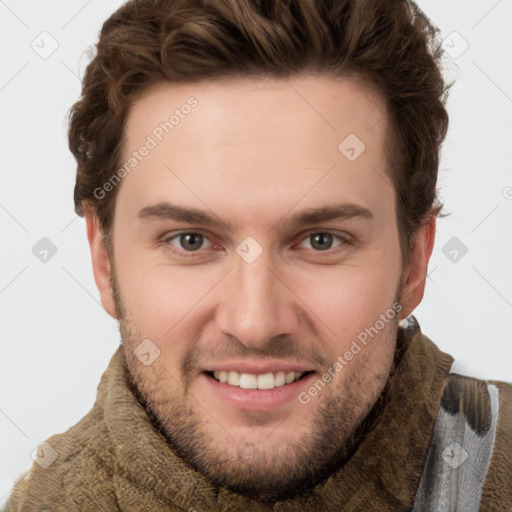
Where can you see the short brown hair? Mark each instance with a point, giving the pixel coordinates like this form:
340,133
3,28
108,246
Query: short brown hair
390,44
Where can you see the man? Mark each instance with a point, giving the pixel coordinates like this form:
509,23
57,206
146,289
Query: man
258,180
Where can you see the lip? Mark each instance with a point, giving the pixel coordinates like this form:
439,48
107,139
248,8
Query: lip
257,368
257,400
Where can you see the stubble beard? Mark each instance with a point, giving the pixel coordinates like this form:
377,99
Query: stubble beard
267,471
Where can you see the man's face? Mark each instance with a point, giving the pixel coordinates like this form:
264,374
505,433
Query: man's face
264,297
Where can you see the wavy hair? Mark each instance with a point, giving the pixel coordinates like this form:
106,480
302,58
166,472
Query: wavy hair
391,44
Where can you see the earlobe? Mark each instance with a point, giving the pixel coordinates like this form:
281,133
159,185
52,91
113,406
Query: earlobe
415,276
100,261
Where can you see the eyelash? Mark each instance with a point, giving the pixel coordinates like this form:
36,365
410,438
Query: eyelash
344,241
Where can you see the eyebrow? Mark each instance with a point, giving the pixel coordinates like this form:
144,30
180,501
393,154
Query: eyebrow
168,211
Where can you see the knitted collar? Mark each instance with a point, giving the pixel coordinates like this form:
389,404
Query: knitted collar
382,474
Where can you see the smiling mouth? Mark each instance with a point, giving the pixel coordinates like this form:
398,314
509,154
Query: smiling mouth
262,381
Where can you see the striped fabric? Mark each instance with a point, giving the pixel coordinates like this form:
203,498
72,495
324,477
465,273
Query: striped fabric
462,445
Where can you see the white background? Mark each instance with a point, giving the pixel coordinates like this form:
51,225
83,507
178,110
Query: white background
56,340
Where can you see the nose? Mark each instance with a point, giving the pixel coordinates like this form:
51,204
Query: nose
256,303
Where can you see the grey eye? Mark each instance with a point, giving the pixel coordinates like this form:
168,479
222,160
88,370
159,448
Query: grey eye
321,241
189,241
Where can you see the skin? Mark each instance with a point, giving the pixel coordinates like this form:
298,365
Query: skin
255,152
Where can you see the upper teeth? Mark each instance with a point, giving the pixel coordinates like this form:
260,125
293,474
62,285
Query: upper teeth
251,381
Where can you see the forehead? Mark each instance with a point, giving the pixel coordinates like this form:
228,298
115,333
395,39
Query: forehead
304,104
242,141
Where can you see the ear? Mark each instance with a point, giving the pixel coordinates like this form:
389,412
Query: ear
100,261
415,275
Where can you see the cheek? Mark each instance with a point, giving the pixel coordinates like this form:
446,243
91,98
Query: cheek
157,297
349,298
